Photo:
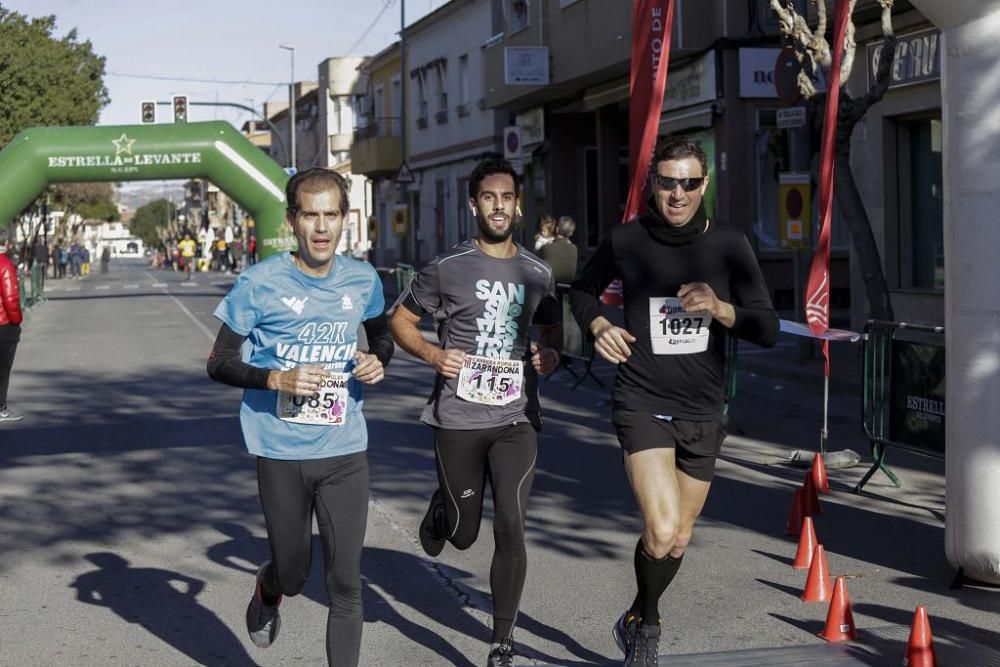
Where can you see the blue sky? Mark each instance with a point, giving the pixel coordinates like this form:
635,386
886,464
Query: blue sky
231,40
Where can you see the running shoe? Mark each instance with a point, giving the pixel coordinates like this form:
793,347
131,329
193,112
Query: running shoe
7,416
431,538
502,655
645,647
263,620
624,631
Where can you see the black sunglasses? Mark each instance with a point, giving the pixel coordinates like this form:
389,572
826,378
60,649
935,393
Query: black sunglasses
669,183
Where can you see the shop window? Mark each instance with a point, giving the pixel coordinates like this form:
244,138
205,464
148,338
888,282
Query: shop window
919,247
517,15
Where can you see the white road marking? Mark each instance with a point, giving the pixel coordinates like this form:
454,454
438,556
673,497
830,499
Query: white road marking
204,329
102,287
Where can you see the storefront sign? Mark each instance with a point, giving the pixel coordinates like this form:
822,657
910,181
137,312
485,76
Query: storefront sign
691,84
526,65
757,72
918,59
532,124
791,117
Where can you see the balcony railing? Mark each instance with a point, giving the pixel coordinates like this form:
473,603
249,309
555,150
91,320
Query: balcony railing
377,127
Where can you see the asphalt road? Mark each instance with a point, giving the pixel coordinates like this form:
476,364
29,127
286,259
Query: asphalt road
130,528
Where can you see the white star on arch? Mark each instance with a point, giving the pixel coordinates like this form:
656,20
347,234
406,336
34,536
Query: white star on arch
123,145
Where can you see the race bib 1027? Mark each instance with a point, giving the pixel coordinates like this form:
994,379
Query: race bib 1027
327,407
490,381
673,331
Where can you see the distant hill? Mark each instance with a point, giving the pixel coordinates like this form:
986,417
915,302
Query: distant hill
136,194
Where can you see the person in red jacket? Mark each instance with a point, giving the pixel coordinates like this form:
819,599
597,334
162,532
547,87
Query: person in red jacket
10,328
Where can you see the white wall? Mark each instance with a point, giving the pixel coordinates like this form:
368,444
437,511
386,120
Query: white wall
448,150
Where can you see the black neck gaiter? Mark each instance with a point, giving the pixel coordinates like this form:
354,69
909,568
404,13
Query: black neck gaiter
672,235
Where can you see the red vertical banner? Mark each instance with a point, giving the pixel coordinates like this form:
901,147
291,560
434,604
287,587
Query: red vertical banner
652,21
651,26
818,287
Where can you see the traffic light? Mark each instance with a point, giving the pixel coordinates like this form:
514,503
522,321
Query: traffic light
148,113
180,108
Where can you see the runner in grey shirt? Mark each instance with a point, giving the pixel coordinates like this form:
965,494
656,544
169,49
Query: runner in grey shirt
483,296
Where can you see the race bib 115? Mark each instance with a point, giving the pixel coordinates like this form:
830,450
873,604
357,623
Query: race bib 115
490,381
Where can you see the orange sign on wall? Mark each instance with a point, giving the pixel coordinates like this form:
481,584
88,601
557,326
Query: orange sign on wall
794,210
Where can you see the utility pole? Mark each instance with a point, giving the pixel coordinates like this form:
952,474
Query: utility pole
291,103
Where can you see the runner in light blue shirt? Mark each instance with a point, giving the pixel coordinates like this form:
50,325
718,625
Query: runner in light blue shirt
289,339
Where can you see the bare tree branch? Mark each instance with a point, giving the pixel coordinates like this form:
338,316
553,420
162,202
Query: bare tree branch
883,75
850,45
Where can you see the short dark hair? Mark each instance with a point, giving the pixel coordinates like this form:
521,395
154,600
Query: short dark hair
489,167
679,148
316,179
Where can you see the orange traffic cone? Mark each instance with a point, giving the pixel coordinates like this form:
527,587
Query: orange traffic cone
810,499
920,648
807,544
794,524
839,620
818,472
818,581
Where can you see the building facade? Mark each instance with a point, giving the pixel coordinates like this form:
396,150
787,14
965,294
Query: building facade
376,152
449,127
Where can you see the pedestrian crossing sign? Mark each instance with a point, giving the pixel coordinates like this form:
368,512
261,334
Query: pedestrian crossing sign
404,175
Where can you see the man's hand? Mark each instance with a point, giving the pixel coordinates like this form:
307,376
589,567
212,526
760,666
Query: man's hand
611,341
701,297
368,368
544,359
448,362
299,381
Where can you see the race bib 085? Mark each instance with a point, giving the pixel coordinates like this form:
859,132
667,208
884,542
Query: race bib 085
673,331
328,407
490,381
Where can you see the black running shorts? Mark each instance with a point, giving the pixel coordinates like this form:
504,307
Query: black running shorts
697,443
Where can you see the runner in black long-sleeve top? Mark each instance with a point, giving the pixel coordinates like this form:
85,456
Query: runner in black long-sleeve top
687,280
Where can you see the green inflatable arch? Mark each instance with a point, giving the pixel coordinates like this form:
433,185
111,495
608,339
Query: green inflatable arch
213,150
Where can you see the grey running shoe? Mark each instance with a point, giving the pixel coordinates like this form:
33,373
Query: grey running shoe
645,647
624,631
431,538
502,655
263,621
7,416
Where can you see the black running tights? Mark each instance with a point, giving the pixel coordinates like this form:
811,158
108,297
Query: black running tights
507,455
336,490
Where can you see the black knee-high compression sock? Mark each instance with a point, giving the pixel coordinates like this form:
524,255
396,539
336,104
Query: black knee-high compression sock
652,576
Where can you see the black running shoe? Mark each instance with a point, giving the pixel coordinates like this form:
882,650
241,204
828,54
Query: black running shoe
645,647
263,620
502,655
624,631
431,538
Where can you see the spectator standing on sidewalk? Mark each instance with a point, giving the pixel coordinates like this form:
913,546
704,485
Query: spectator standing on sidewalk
561,253
546,232
10,328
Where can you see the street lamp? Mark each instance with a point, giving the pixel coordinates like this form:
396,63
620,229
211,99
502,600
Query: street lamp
291,100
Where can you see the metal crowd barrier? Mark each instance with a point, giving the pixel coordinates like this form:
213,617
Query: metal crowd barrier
902,400
404,274
31,288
